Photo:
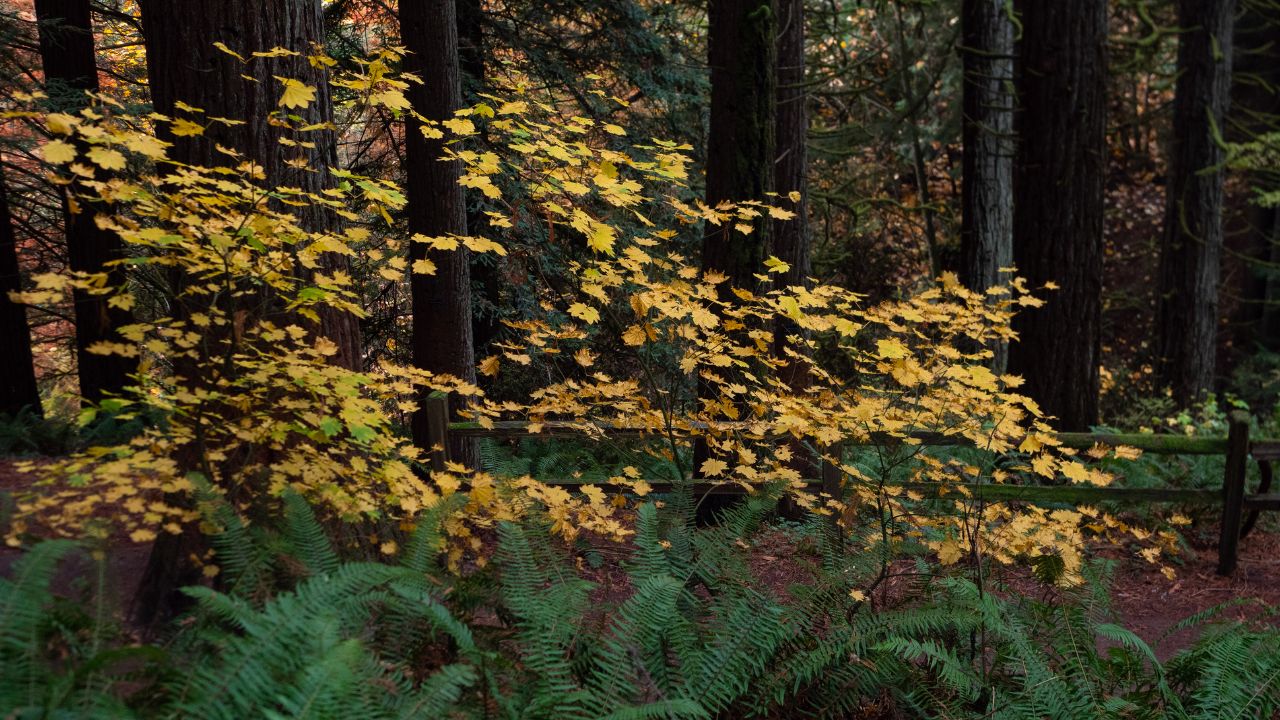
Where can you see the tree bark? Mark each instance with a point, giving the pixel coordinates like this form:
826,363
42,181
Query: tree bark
1058,204
986,229
486,270
789,239
740,144
18,388
183,65
71,70
1255,110
1191,247
442,333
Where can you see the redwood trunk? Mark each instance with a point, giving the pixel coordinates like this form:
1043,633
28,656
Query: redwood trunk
71,70
740,144
1191,247
442,333
183,65
1058,204
986,230
789,239
17,374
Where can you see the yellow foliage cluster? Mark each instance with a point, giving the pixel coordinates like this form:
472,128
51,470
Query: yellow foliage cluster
643,340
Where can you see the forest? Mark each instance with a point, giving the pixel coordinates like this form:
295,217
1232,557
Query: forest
639,359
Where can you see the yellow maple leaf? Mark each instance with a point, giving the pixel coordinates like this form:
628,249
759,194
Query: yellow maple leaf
184,128
949,552
297,94
891,349
585,313
713,467
775,265
106,158
58,152
424,266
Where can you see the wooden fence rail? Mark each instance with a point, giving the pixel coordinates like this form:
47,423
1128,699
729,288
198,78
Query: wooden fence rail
1240,509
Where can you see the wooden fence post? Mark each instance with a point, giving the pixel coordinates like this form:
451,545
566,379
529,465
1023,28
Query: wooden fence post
1233,491
438,429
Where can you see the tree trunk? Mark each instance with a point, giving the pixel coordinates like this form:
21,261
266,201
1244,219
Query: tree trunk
740,144
486,269
742,53
1058,204
1191,247
183,65
986,230
442,333
790,238
1255,110
17,374
71,70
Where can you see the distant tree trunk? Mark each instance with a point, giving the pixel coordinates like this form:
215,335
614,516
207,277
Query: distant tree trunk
1255,110
183,65
486,269
71,70
740,145
1191,247
1058,204
17,373
986,229
789,239
442,333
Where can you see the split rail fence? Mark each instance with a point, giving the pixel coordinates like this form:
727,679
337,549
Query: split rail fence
1240,508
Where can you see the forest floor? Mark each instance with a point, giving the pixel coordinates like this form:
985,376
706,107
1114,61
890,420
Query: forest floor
1144,600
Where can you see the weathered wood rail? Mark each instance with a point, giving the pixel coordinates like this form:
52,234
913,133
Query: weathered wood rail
1240,509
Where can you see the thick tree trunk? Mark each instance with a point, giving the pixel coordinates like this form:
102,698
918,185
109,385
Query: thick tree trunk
442,333
184,66
986,230
740,144
17,374
1058,204
71,70
742,54
1191,248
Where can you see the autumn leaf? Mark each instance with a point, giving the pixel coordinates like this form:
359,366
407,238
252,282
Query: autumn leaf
106,158
585,313
713,467
891,349
58,152
296,93
775,265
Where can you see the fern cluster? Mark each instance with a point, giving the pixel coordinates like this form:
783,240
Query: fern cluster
297,631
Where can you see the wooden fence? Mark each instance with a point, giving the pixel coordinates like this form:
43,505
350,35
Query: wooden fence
1240,508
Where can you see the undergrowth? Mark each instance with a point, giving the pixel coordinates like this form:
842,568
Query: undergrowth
295,629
